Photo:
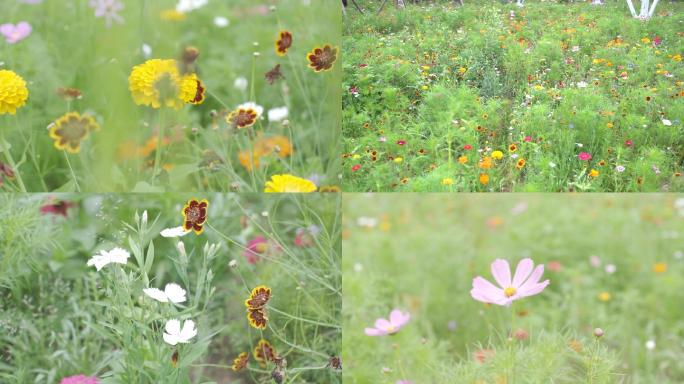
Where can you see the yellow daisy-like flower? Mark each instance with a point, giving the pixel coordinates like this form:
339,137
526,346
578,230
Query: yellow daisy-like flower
447,181
13,92
172,15
70,129
289,184
497,155
158,83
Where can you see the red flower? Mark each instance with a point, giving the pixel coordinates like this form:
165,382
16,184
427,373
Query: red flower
629,143
401,142
363,65
527,139
195,215
356,167
57,208
467,147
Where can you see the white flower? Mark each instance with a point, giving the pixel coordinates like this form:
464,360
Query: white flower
146,51
610,268
575,48
184,6
367,222
650,345
240,84
552,164
258,108
667,122
221,21
582,84
277,114
171,293
174,232
116,255
174,334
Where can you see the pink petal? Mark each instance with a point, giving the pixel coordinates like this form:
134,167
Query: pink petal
399,319
501,272
486,292
533,290
522,271
533,280
382,324
24,29
374,332
6,29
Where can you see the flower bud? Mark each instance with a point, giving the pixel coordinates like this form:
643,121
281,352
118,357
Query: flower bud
598,332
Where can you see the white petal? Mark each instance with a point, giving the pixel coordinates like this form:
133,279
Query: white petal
174,232
667,122
119,255
174,293
156,294
277,114
170,339
99,261
172,327
188,332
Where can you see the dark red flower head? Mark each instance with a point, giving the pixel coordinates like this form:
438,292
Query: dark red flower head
195,215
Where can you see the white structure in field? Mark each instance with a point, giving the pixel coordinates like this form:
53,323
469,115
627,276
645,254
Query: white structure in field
647,9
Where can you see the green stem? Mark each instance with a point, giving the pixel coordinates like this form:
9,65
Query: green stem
11,162
158,151
71,170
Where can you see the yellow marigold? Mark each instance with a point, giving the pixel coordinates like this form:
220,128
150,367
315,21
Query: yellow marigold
158,83
484,178
593,173
463,159
486,163
604,296
289,184
660,267
70,129
13,92
497,155
447,181
398,160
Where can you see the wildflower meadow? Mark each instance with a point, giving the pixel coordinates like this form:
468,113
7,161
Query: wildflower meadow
515,288
525,96
217,288
154,96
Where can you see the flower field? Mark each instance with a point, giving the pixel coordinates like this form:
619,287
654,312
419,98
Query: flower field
517,288
490,96
154,96
99,289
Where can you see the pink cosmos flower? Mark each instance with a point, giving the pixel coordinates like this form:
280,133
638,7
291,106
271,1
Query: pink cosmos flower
397,320
525,283
584,156
80,379
259,246
15,33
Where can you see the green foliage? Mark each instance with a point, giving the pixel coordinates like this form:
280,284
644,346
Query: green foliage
554,79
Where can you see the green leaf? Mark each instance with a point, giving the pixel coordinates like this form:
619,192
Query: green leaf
150,257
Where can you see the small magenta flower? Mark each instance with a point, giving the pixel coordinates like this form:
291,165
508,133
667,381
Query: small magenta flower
15,33
397,320
525,283
584,156
79,379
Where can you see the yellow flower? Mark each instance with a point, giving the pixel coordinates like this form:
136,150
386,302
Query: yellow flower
463,159
447,181
398,160
645,40
593,173
158,83
289,184
70,129
604,296
13,92
497,155
425,87
659,267
484,179
486,163
356,156
609,125
520,164
172,15
462,70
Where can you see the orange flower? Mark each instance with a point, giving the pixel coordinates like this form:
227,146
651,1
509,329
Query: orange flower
486,163
484,179
520,164
463,159
512,148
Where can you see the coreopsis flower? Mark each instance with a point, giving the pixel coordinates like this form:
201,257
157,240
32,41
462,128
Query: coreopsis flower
13,92
158,83
525,283
244,115
274,74
172,293
264,352
256,306
289,184
79,379
174,334
283,43
322,58
116,255
396,321
240,362
70,130
195,215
